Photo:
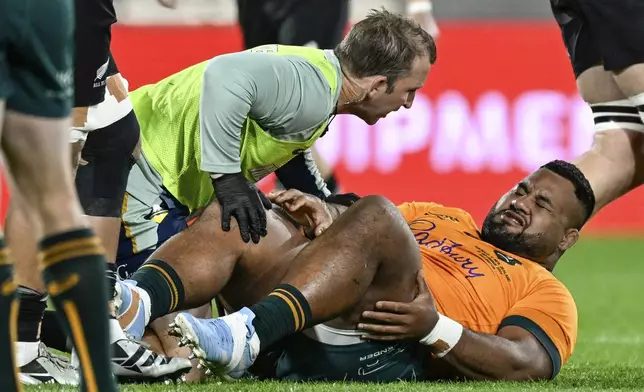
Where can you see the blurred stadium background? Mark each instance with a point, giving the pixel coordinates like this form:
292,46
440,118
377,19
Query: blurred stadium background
500,101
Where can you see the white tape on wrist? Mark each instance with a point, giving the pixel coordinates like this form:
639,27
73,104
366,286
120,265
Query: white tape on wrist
444,336
417,7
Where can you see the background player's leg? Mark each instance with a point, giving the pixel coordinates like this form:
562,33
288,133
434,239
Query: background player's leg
618,140
257,28
38,154
8,302
321,24
613,30
617,147
316,23
31,356
35,143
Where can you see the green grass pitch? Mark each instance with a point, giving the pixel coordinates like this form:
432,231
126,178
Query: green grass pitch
607,280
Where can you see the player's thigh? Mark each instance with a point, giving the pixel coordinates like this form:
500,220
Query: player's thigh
36,124
317,23
263,266
617,27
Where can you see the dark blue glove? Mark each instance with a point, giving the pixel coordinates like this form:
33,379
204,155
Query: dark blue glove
241,199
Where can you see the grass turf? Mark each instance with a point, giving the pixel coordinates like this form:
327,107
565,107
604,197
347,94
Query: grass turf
605,278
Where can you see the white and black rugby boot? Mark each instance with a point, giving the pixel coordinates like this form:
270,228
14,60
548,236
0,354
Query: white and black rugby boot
134,362
48,368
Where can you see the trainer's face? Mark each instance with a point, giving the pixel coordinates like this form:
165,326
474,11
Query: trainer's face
536,218
379,103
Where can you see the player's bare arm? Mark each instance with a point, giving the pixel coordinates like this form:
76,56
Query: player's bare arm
512,354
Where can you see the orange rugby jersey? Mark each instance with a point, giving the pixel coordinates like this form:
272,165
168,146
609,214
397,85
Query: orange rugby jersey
485,288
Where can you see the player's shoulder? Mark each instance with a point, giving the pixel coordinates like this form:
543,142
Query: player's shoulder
547,284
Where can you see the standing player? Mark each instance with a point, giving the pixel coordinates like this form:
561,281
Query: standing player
36,85
606,49
105,129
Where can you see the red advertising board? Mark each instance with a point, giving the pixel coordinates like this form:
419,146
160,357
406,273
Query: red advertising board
500,101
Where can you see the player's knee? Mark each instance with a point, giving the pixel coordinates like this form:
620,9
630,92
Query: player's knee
597,85
612,109
630,79
377,206
102,181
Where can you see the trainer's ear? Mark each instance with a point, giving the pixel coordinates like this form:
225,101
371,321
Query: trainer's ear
569,239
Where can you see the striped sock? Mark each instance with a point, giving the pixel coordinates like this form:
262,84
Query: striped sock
163,285
9,305
283,312
74,271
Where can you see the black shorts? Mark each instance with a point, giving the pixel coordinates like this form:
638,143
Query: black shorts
608,32
36,56
93,62
317,23
306,359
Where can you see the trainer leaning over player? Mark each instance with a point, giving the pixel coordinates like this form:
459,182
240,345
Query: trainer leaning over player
212,130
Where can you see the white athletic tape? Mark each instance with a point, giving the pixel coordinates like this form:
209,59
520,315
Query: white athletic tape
444,336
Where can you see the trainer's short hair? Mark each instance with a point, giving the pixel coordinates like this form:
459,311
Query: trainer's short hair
583,190
384,44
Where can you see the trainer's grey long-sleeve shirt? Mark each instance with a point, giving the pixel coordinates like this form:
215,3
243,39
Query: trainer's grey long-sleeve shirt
286,95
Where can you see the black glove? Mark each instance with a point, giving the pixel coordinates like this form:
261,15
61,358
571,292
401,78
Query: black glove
241,199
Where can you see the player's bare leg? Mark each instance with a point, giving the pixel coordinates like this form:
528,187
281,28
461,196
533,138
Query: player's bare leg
35,362
8,306
202,261
38,153
368,254
617,145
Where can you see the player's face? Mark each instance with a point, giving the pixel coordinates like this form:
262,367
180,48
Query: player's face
533,219
379,103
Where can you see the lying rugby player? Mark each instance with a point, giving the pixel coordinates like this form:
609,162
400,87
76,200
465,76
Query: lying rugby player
495,310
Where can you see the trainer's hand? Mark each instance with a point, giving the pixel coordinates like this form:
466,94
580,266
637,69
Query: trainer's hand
307,210
402,321
241,199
